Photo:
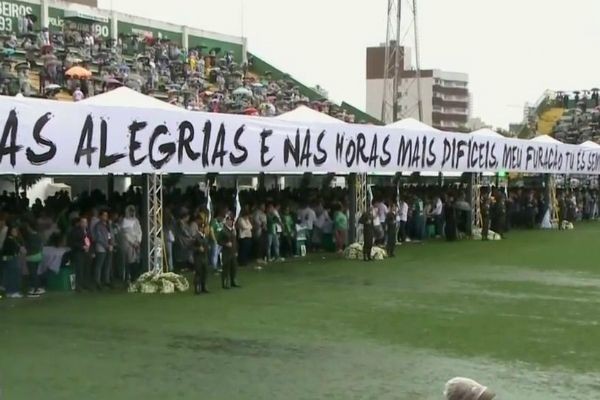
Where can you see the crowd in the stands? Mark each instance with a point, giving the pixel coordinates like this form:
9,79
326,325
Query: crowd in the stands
580,121
80,64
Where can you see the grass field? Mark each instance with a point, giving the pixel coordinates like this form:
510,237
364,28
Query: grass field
521,315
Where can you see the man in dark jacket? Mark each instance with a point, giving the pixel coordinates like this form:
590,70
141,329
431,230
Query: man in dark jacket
228,241
391,230
80,242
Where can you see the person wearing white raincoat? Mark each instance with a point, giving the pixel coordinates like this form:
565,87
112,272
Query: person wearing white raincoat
131,234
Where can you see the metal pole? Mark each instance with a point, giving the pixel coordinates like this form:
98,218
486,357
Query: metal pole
417,62
397,67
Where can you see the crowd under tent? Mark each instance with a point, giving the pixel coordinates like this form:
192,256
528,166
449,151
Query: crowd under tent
151,159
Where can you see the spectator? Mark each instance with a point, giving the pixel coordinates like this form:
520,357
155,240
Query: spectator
184,239
260,233
244,226
274,229
78,94
80,243
340,223
131,241
33,246
402,218
216,225
391,230
12,249
103,249
289,232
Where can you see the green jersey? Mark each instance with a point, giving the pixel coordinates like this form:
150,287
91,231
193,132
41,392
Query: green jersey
340,221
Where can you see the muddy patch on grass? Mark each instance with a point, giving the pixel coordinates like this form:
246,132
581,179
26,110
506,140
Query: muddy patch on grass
241,347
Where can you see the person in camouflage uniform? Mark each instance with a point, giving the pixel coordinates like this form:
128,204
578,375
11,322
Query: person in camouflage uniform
201,252
228,241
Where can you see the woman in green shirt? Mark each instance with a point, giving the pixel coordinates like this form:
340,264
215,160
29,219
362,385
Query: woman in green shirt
340,226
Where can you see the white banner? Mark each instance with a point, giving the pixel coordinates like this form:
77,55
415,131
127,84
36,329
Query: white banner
47,137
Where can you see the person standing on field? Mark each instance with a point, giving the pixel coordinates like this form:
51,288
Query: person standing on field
228,242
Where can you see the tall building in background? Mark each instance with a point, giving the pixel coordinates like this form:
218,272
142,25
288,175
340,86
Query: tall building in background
445,96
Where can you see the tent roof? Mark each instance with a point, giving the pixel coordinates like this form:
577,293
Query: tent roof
126,97
413,124
486,132
545,139
590,144
306,114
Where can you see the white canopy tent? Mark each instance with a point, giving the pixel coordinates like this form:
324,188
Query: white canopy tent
412,124
590,144
125,97
486,132
307,114
546,139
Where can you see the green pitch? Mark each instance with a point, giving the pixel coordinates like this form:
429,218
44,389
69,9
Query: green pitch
521,315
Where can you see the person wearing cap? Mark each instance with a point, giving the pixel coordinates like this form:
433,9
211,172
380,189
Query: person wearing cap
228,241
467,389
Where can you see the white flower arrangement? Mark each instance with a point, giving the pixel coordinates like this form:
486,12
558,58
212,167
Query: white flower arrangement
566,225
477,235
355,252
164,283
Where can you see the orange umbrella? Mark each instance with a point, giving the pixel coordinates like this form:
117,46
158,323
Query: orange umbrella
78,72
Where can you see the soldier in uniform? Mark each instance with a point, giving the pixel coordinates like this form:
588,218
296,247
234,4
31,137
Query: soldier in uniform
368,233
228,241
201,251
485,215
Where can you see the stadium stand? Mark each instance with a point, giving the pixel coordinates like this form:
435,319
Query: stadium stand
571,117
76,56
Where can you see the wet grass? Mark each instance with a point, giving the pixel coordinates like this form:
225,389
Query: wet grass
520,315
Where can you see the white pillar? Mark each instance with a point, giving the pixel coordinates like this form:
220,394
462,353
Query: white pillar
185,37
44,19
244,50
114,25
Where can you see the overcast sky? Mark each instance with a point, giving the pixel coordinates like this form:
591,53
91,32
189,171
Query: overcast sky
512,49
